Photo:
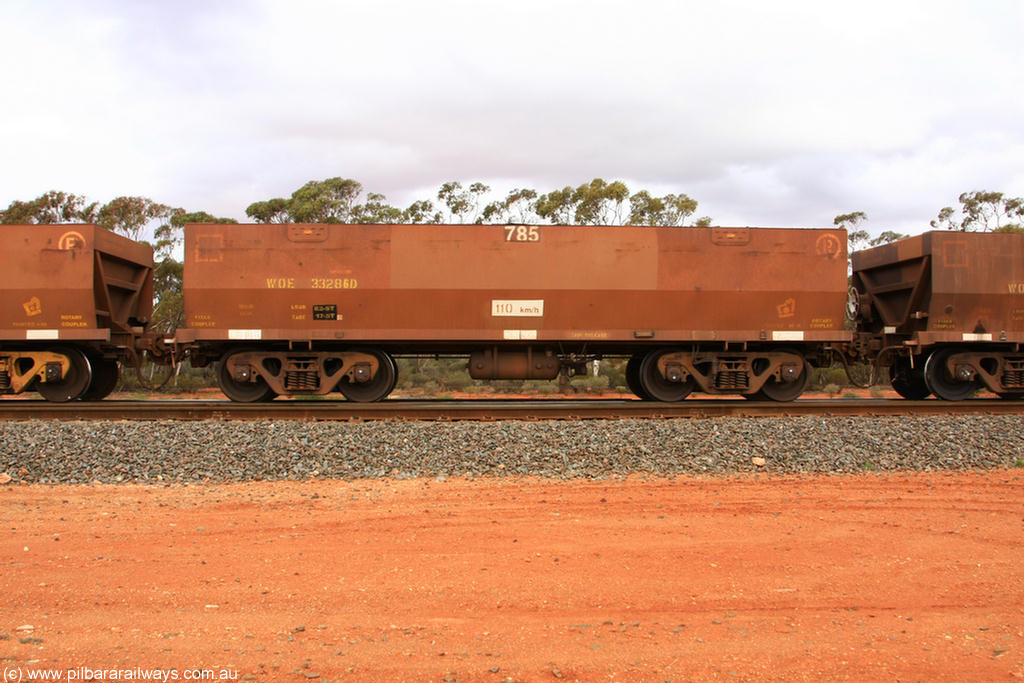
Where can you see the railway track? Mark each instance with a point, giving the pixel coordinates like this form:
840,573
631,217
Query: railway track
488,410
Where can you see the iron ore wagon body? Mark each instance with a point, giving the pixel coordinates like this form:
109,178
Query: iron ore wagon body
295,308
951,305
73,301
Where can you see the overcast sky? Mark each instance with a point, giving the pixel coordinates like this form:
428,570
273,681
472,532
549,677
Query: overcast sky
778,113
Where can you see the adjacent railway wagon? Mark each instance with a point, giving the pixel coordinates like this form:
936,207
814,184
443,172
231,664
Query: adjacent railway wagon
289,309
74,300
950,308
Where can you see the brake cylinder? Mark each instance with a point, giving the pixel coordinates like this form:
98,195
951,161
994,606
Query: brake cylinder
518,364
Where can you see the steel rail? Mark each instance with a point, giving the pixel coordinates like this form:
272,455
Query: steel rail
488,410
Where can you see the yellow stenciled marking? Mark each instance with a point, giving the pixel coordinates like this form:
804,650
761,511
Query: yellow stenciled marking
1016,287
828,245
33,306
72,239
787,309
280,283
334,283
69,320
522,233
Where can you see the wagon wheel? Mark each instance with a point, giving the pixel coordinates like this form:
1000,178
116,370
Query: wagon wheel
941,382
242,392
75,381
908,382
657,387
377,388
633,377
782,392
105,375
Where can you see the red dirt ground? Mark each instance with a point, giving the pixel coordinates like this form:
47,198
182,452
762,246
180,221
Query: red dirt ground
909,577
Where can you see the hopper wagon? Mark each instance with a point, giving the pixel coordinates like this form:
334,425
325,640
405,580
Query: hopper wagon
74,302
949,309
287,309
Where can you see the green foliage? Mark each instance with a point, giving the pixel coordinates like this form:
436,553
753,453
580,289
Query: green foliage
516,208
594,203
983,211
324,201
178,220
131,215
590,384
334,200
1010,228
463,204
604,203
598,202
169,308
421,212
49,208
672,209
615,370
556,206
887,237
375,210
847,221
858,238
823,377
862,238
435,376
270,211
185,378
430,376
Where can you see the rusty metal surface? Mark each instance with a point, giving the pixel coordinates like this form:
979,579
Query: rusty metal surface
71,282
450,283
598,409
947,286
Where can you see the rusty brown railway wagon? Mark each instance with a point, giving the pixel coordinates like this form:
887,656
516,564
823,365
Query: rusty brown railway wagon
296,308
949,306
73,301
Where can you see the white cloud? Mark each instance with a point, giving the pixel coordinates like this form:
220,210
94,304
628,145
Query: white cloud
782,113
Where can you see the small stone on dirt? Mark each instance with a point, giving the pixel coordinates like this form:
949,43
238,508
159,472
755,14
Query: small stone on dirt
759,462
